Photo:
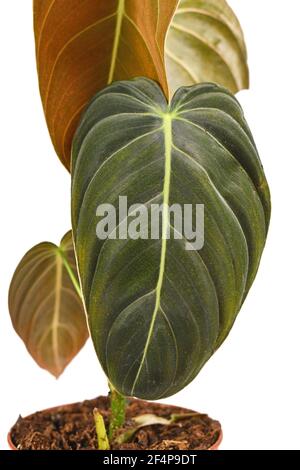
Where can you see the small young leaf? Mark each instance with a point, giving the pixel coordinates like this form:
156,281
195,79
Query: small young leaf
205,43
157,311
81,46
44,305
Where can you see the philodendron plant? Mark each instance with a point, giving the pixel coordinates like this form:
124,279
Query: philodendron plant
157,306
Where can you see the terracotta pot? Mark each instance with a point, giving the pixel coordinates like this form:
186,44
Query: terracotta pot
54,409
217,443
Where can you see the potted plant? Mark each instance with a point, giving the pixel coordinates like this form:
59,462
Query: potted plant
170,213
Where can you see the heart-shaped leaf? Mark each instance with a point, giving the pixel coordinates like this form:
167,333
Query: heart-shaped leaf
82,45
45,306
206,44
157,310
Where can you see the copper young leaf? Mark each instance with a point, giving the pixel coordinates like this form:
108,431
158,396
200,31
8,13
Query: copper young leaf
83,45
45,307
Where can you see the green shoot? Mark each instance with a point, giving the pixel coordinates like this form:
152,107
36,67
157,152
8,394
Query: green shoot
103,442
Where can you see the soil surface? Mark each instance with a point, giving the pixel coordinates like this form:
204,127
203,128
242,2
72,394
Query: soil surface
72,428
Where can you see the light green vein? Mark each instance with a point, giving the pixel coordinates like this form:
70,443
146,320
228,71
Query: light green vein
120,16
167,128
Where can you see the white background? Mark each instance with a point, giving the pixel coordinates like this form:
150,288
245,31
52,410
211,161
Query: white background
252,384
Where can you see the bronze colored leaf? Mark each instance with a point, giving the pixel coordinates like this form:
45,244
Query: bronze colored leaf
46,308
84,45
206,44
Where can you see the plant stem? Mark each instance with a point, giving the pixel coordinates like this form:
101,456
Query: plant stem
103,442
118,411
71,274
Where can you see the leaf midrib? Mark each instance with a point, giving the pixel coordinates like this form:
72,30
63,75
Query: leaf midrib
56,312
118,31
167,129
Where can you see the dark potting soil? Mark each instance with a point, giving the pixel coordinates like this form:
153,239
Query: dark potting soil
72,427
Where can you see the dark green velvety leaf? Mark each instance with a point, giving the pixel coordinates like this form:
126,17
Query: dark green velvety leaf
157,311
